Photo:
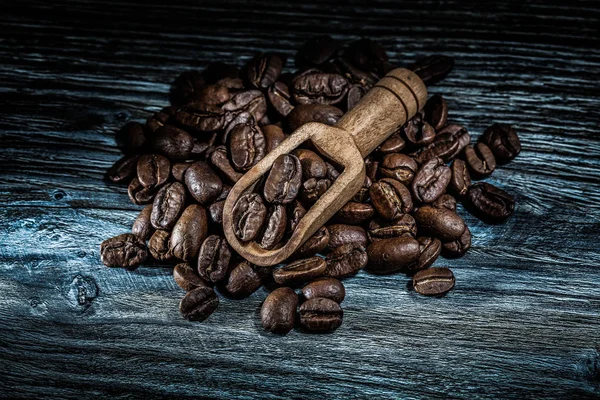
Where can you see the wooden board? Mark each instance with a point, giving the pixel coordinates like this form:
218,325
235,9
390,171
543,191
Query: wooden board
522,322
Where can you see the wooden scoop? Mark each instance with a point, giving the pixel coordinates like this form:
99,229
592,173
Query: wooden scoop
389,104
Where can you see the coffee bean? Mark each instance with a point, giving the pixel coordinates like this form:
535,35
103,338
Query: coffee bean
391,255
142,227
313,188
417,131
440,223
126,250
213,94
503,140
313,166
247,146
123,169
429,251
433,69
490,203
280,98
168,205
186,277
317,51
346,260
300,271
278,311
243,280
160,118
273,136
457,248
390,198
202,182
355,213
213,259
316,87
341,234
251,101
188,233
220,160
329,288
200,117
448,143
436,112
315,244
433,281
305,113
445,201
138,194
284,180
153,170
320,315
198,304
295,213
431,180
172,142
393,144
178,170
158,245
454,132
131,137
480,160
264,69
215,212
276,222
383,229
398,166
185,87
249,215
461,178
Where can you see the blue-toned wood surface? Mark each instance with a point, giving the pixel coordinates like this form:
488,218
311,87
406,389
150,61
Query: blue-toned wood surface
522,322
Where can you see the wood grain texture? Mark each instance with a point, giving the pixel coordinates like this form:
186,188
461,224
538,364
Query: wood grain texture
522,322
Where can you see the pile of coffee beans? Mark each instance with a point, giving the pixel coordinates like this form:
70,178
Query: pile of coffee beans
181,163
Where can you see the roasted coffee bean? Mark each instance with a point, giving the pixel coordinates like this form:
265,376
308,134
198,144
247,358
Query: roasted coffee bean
329,288
247,146
126,250
454,132
317,51
186,277
220,160
215,212
278,311
448,143
346,260
313,166
433,281
218,70
355,94
429,251
131,137
273,136
398,166
393,144
457,248
355,213
172,142
168,205
433,69
185,87
340,234
503,140
390,198
200,117
153,170
480,160
159,245
431,180
300,271
280,98
417,131
142,227
363,193
202,182
213,259
251,101
249,215
446,201
160,118
198,304
276,222
264,69
123,169
284,180
320,315
178,170
213,94
312,189
440,223
305,113
295,213
391,255
315,244
243,280
189,233
461,178
138,194
490,203
383,229
316,87
436,112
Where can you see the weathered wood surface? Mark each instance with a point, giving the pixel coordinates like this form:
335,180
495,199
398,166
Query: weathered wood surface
522,322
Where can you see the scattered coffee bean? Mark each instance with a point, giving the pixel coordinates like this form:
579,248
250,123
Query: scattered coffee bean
391,255
490,203
346,260
168,205
329,288
142,227
186,277
123,169
320,315
300,271
390,198
158,245
189,233
199,303
431,180
126,250
243,280
278,311
433,281
202,182
503,140
480,160
213,259
440,223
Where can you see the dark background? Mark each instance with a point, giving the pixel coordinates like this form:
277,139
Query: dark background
523,320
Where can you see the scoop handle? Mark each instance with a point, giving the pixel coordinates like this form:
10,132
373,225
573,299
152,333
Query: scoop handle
389,104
